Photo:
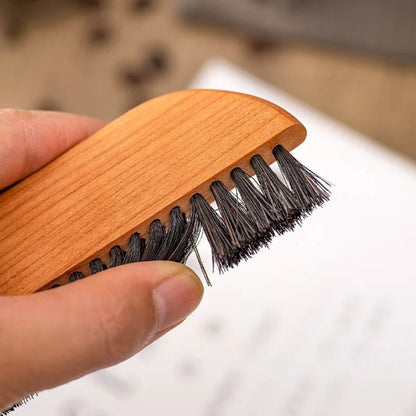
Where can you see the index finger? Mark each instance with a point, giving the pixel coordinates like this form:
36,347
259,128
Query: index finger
31,139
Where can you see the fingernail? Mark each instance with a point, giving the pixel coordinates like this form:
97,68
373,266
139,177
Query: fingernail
175,298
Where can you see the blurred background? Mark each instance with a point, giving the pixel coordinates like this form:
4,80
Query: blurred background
356,61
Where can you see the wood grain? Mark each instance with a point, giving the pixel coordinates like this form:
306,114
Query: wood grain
127,174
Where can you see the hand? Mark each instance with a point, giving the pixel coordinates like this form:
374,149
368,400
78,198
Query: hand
55,336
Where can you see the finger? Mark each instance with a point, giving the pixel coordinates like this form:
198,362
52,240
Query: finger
54,336
30,139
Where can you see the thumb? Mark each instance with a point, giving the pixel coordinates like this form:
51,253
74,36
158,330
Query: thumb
54,336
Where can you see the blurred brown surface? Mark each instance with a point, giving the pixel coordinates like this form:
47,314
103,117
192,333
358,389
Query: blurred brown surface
103,57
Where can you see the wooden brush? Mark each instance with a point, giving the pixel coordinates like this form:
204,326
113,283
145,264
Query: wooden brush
111,199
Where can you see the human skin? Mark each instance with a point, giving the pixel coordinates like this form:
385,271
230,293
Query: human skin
51,337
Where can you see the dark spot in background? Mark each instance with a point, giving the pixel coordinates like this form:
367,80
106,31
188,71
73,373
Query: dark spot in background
213,327
155,62
158,60
113,383
92,4
188,368
257,46
141,5
132,76
99,33
263,2
13,30
48,104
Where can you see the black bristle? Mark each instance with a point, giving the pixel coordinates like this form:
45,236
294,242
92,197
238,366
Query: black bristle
157,233
96,266
310,189
176,230
188,241
243,232
282,199
74,276
224,254
15,406
136,248
117,255
257,205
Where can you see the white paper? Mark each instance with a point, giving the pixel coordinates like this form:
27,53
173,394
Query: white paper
321,324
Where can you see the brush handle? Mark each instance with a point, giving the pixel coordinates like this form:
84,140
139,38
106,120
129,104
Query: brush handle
129,173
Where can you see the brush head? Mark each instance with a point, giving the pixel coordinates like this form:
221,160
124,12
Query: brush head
130,173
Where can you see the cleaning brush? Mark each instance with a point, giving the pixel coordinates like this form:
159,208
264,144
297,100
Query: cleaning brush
141,189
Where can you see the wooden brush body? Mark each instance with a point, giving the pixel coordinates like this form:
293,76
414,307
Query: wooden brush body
132,171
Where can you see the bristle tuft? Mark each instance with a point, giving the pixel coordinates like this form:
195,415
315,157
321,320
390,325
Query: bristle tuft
188,240
157,233
176,229
224,254
15,406
76,276
310,189
136,248
244,234
96,266
258,207
117,255
287,210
